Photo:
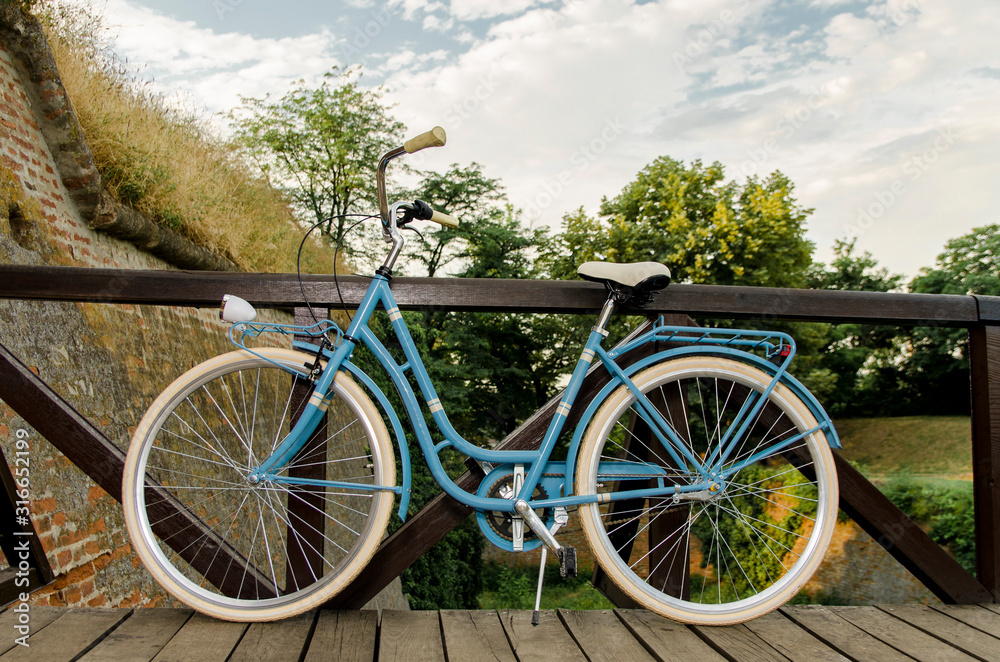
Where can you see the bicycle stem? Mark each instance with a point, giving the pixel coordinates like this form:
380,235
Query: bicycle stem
383,198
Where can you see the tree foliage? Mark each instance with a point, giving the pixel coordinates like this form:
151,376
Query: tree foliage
321,146
892,371
706,229
468,195
936,371
862,359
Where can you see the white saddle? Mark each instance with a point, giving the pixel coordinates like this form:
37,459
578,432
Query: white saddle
642,276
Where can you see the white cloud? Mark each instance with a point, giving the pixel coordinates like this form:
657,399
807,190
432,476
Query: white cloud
468,10
216,68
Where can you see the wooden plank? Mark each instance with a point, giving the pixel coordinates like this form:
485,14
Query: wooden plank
205,289
841,634
141,637
738,643
407,636
975,615
13,586
989,308
64,427
955,633
793,642
901,636
37,617
984,364
666,639
904,540
202,639
69,636
346,636
275,641
602,636
993,608
548,640
475,636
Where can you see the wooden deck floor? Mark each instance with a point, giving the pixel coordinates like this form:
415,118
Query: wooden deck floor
966,632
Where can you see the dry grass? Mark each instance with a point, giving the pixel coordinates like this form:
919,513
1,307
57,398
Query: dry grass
164,164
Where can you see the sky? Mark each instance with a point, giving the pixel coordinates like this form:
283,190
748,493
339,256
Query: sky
883,113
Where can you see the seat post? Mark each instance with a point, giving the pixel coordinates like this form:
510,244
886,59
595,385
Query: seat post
602,321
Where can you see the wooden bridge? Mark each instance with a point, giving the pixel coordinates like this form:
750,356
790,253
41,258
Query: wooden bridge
952,633
90,450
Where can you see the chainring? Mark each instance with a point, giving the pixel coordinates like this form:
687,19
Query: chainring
502,523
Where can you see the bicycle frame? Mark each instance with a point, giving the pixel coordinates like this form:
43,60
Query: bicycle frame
535,462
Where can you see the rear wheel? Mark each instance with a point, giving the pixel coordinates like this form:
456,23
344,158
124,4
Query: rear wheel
243,550
721,557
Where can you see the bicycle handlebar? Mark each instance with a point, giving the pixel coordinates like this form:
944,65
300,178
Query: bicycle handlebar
436,137
421,211
444,219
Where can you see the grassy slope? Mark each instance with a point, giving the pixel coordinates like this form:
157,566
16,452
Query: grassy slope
920,445
163,163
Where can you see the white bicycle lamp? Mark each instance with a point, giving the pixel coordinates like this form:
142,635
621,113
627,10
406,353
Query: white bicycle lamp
235,309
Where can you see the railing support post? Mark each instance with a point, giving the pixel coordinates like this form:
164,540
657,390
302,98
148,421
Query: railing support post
984,360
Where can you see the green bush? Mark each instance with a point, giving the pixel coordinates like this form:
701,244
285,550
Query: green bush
513,587
943,508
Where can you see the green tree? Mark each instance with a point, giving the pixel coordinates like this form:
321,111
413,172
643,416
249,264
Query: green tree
936,367
708,230
468,195
970,264
862,359
892,371
321,146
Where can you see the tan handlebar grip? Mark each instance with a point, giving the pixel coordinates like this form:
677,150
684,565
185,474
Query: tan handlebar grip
436,137
444,219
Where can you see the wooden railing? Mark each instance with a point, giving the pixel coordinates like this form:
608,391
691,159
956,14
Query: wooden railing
86,446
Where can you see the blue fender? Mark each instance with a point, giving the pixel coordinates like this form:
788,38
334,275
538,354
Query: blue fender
765,366
397,425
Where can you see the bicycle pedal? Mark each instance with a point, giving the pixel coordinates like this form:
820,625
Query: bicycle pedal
567,561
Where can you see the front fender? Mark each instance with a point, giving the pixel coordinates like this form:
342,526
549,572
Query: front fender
765,366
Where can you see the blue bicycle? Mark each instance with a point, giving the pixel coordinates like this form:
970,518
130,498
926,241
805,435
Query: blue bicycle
701,475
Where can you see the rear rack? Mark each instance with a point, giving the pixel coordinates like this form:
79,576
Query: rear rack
770,343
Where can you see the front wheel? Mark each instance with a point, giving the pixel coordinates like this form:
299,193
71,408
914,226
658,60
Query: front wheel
245,550
712,557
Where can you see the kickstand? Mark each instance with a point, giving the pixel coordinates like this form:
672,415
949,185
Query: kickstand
535,618
561,518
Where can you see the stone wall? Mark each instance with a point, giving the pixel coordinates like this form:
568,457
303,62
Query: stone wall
107,361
